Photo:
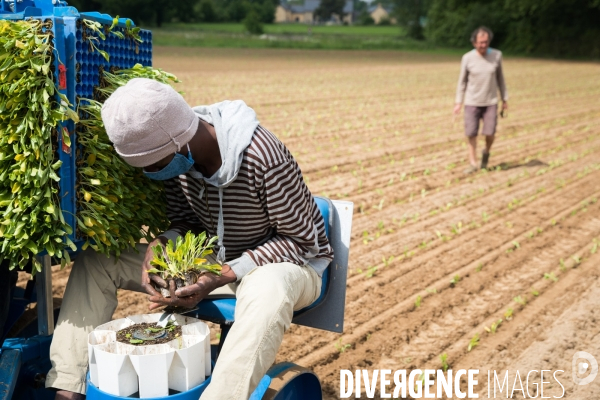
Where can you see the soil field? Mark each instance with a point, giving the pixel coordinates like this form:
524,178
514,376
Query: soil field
437,257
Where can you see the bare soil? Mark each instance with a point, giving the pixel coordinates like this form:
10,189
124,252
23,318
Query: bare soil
520,241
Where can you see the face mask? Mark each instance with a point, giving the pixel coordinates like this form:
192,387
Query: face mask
179,165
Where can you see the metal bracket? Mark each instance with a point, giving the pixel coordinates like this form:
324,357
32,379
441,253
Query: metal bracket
45,304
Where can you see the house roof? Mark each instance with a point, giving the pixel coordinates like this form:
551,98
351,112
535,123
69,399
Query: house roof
373,7
311,6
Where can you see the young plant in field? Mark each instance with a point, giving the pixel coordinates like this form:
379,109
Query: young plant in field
444,359
473,342
520,300
418,301
341,347
594,248
535,292
456,229
552,276
370,271
508,314
455,280
387,261
563,267
184,260
432,290
479,267
577,260
494,327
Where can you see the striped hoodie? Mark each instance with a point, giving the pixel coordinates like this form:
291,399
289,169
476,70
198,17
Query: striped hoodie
267,213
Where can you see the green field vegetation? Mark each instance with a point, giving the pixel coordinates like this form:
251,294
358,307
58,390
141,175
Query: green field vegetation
291,29
288,36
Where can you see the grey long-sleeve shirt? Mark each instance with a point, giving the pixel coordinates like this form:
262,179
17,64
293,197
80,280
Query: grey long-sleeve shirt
480,79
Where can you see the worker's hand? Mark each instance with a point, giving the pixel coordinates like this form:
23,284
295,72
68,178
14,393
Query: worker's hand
504,105
457,109
191,295
147,278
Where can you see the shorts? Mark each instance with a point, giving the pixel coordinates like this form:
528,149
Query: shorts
488,114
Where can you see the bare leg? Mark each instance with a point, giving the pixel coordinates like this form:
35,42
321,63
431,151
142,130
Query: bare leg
473,150
66,395
489,140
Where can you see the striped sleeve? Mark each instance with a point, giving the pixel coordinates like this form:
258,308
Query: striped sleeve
179,212
300,229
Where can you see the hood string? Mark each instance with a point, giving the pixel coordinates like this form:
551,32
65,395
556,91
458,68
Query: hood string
221,230
220,224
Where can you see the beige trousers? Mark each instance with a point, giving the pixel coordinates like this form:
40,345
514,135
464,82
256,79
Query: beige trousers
266,299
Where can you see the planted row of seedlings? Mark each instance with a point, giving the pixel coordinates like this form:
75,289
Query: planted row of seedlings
460,228
475,194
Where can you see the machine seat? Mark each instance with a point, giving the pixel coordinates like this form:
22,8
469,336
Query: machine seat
221,309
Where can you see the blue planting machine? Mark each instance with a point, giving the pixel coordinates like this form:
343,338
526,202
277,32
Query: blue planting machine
26,335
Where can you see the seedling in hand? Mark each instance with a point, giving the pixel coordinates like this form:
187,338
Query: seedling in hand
184,260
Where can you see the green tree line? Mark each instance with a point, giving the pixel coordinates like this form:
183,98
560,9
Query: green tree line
156,12
564,28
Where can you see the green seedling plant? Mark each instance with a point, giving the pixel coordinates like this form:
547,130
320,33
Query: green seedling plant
520,300
576,260
563,266
473,342
418,301
455,279
508,314
386,262
551,276
184,256
494,327
370,271
444,360
341,347
535,292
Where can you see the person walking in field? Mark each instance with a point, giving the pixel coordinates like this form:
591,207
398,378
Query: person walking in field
224,174
480,79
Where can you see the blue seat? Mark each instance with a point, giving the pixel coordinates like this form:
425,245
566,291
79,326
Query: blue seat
221,310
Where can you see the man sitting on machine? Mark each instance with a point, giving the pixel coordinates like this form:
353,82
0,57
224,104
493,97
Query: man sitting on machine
221,169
